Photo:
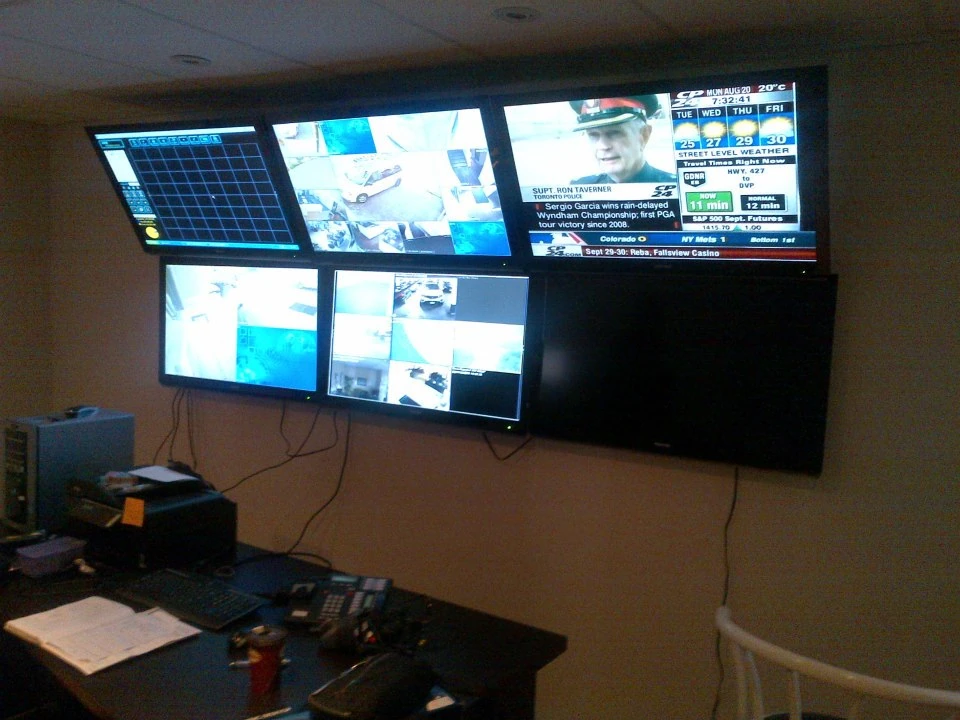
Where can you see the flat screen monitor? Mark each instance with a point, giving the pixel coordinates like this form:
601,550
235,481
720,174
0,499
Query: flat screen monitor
239,327
412,183
197,189
713,173
717,367
440,346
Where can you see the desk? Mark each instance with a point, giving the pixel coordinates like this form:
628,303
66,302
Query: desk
473,653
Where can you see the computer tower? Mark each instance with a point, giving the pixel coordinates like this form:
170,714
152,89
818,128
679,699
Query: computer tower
45,452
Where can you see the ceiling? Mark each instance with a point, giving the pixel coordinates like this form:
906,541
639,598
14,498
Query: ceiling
64,61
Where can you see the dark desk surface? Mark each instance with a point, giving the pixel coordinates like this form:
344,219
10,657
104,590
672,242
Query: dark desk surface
472,652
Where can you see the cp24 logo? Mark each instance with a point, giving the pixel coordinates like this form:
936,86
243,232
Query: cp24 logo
663,191
687,98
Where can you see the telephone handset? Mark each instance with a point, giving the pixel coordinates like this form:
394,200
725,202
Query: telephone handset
337,595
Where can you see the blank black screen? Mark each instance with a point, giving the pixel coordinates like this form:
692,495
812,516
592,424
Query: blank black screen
733,369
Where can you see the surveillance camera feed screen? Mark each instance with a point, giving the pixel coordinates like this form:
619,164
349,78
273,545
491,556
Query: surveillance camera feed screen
703,173
414,183
199,188
253,326
440,342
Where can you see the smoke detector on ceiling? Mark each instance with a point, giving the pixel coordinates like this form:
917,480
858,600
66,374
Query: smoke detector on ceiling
516,14
194,60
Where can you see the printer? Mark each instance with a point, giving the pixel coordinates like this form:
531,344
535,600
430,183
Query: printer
149,525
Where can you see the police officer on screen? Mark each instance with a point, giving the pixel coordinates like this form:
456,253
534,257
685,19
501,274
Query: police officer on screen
618,130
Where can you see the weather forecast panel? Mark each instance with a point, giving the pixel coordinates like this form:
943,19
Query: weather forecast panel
736,152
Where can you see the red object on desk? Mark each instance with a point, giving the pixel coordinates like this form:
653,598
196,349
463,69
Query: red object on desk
265,652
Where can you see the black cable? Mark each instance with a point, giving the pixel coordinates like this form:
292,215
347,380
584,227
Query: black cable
504,458
241,481
336,491
299,453
176,406
173,428
177,411
191,440
316,556
182,398
726,535
260,557
283,435
726,586
291,456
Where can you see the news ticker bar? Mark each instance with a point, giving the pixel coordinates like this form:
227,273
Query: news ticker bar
801,240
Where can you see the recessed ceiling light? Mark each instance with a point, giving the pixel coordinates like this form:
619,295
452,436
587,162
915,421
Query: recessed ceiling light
516,14
196,60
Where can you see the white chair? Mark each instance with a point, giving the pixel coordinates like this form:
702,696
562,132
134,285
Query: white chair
745,648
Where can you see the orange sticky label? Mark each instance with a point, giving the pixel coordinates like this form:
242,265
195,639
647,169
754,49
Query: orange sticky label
134,510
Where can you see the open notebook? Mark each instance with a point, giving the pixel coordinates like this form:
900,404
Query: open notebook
95,632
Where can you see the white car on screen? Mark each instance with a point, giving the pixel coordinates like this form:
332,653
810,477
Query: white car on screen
360,185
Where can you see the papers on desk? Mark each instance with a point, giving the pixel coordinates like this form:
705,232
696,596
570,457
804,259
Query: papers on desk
160,474
95,633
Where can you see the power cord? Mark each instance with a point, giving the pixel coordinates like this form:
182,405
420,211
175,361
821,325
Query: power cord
299,452
176,409
171,436
336,491
504,458
180,397
726,586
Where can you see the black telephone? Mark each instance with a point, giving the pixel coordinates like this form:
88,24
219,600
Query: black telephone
333,596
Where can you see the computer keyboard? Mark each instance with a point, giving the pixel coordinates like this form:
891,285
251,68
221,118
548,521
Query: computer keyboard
199,599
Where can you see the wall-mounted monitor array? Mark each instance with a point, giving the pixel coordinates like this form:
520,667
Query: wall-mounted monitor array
451,346
640,266
713,174
725,368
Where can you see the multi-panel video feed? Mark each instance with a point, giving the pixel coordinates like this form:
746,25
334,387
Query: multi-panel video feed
441,342
240,327
416,183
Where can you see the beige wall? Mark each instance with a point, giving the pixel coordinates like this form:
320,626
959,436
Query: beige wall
24,279
621,551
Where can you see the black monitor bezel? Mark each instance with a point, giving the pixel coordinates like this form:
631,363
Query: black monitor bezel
365,107
189,382
751,391
199,250
813,179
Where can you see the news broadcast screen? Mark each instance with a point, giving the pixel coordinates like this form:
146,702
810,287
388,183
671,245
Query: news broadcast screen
419,183
705,172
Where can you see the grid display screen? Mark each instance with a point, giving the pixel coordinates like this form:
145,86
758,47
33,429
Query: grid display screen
197,188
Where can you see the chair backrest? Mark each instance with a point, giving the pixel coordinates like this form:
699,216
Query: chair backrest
745,648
